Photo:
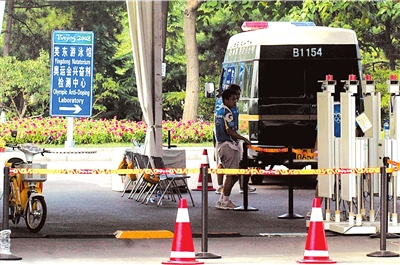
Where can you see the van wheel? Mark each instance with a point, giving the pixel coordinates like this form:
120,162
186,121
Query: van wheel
257,180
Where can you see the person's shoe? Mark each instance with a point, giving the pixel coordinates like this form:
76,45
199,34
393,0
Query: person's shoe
308,216
225,205
219,190
249,188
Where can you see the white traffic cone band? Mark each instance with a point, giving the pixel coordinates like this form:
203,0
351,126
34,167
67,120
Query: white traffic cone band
308,254
182,216
316,215
182,254
204,160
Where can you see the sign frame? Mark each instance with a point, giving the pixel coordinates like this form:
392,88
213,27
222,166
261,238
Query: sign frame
71,85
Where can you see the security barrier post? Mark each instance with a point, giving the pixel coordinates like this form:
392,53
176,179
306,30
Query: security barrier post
372,103
348,138
325,136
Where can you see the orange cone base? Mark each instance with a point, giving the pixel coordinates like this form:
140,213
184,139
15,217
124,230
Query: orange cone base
182,262
316,261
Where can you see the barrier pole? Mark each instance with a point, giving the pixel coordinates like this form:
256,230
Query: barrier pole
245,185
384,216
290,214
5,244
204,254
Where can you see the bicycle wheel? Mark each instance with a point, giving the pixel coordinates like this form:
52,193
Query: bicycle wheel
13,215
14,210
36,217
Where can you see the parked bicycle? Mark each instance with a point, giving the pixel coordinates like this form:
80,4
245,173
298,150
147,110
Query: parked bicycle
25,194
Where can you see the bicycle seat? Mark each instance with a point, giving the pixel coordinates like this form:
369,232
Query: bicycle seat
30,148
15,161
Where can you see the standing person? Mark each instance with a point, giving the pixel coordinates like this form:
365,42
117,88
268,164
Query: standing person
227,139
235,112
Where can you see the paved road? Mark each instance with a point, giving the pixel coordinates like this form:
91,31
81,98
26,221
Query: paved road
84,213
243,250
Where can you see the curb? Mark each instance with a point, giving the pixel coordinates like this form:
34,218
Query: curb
143,234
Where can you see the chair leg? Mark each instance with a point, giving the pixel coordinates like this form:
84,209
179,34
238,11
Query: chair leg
166,190
188,190
177,191
149,193
142,190
138,183
126,187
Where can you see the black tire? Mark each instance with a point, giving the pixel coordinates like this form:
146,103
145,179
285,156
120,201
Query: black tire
35,220
13,216
257,180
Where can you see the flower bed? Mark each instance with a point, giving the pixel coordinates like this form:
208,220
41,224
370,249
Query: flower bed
100,131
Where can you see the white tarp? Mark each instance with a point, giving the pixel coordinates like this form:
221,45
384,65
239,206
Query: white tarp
140,14
2,8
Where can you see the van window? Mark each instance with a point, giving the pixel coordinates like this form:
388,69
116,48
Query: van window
281,79
300,79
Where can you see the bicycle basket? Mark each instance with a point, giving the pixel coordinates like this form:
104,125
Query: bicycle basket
34,177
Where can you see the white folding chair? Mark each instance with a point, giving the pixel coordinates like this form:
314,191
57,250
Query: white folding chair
171,185
141,162
130,164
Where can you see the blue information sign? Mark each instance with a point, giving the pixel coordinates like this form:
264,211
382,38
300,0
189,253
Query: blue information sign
71,92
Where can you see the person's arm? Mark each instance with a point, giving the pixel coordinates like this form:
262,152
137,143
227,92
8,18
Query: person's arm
316,146
234,134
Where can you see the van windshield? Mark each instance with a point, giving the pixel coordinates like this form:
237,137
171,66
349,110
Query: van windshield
299,78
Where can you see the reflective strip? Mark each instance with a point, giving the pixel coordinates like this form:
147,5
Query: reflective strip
182,216
316,253
316,215
182,254
204,160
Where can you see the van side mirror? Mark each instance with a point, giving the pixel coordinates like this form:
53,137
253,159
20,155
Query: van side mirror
209,90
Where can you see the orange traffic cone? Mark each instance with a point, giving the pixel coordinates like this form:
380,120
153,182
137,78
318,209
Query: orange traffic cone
204,162
316,250
182,250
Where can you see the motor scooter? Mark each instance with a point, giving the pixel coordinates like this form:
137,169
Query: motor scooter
25,195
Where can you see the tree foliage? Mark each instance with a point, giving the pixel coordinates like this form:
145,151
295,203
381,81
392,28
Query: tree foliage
25,85
24,79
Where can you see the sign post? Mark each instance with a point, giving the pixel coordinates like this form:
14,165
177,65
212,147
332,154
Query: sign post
71,92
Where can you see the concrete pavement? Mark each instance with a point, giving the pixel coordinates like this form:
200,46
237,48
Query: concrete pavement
84,213
238,250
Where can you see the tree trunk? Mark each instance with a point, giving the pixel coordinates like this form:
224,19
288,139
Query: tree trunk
7,33
190,110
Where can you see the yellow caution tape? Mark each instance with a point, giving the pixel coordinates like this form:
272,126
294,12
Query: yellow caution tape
268,150
186,171
282,150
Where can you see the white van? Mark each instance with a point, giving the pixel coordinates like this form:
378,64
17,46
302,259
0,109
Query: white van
279,66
